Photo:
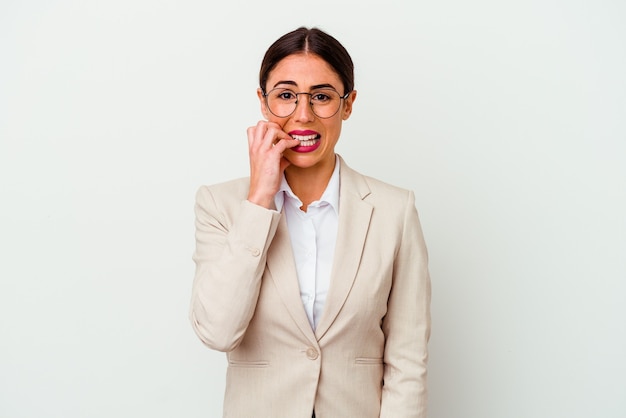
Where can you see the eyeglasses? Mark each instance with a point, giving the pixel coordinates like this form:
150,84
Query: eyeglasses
325,102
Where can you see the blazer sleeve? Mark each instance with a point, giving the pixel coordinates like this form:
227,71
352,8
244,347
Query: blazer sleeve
230,255
407,325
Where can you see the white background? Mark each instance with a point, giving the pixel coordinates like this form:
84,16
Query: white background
506,118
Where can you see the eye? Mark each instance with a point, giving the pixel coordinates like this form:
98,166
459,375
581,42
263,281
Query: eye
286,95
320,97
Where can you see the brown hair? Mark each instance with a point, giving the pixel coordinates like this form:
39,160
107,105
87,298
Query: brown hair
313,41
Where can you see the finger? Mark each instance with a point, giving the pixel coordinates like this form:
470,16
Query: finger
286,143
274,134
264,135
251,132
255,133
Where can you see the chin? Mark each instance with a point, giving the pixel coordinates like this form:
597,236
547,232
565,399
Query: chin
302,160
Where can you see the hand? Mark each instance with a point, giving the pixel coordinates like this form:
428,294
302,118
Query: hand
266,144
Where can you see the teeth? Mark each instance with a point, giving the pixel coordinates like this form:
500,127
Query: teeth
307,143
305,138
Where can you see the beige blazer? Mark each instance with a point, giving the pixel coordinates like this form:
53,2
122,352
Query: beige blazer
367,357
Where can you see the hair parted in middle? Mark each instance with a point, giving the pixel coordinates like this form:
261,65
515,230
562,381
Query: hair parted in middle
314,41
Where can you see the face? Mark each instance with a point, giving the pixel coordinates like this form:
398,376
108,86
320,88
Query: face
302,73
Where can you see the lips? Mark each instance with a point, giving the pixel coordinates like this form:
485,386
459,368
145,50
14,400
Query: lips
309,140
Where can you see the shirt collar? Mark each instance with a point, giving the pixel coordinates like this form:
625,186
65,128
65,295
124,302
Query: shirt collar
330,195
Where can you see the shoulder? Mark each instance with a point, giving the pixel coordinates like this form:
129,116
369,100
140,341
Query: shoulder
390,202
386,189
234,188
224,194
374,190
392,207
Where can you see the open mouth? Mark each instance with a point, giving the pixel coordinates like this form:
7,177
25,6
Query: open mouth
306,140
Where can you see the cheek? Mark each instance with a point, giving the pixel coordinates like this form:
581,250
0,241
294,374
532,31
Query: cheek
271,118
266,112
334,128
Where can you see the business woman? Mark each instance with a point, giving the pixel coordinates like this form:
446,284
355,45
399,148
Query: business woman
312,277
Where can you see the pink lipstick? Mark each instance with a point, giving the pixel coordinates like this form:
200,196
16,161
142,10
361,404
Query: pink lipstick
309,140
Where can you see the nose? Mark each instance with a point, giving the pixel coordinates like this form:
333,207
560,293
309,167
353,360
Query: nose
304,111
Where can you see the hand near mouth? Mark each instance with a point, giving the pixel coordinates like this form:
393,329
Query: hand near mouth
266,144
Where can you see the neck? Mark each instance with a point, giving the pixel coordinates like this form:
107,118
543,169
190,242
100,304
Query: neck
309,183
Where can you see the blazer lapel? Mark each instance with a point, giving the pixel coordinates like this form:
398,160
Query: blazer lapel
354,220
283,272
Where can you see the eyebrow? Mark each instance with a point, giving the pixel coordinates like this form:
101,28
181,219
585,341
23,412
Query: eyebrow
317,86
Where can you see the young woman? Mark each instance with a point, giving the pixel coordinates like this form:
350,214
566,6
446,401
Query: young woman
312,277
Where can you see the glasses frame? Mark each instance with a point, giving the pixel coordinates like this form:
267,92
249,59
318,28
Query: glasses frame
345,96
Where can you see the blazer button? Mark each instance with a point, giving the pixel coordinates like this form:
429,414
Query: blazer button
311,353
255,252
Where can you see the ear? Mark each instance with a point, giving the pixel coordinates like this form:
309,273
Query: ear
264,110
347,106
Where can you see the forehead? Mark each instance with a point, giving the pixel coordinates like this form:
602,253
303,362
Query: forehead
303,70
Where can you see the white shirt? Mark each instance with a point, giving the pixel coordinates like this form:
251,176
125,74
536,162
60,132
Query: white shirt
313,235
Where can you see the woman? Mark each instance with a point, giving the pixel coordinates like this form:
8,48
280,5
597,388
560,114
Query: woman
310,276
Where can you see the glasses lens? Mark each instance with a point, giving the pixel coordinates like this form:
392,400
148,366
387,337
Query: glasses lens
282,102
324,102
